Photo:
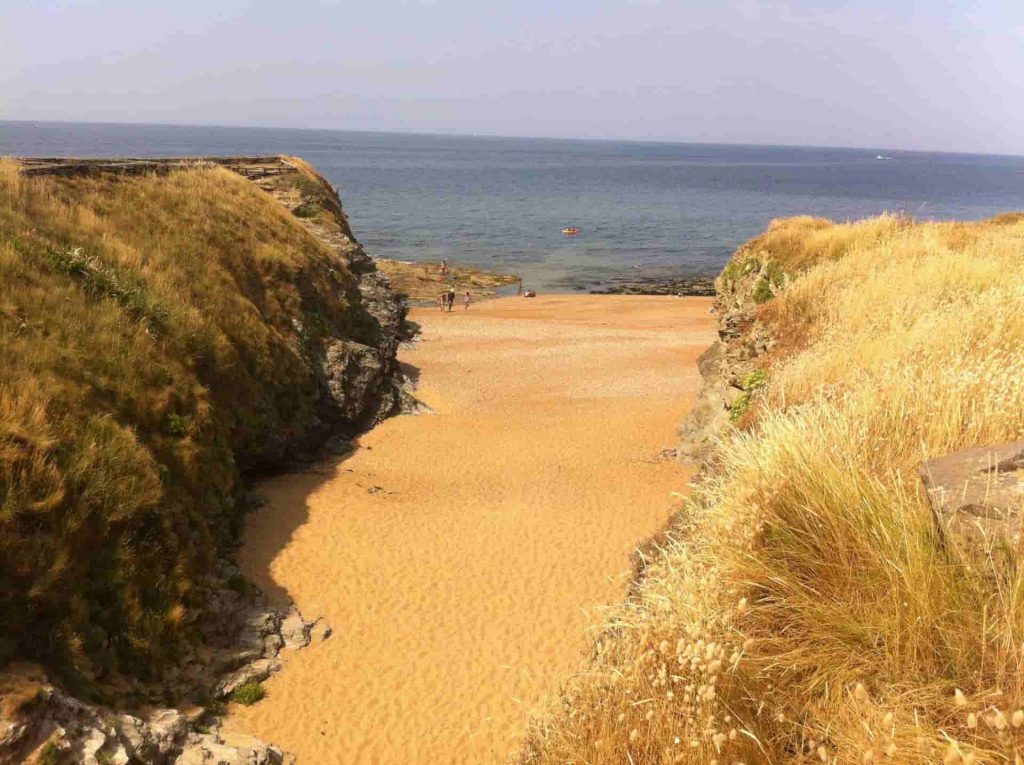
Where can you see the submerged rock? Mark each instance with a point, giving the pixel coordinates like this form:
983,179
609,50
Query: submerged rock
691,286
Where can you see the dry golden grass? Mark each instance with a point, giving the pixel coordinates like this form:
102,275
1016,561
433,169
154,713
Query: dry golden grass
807,609
155,334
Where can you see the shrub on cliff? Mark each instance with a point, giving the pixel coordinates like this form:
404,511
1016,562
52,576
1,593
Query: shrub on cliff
808,608
159,335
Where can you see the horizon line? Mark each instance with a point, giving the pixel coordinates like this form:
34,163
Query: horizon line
500,136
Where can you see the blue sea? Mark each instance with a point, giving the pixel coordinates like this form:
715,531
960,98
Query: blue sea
645,210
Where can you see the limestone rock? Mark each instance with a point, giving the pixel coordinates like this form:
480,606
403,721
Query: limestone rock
710,412
254,672
213,749
295,630
978,493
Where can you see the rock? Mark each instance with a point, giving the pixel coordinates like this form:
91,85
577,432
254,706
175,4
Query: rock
320,631
692,286
34,712
255,672
710,412
92,741
730,394
213,749
91,734
295,630
978,493
353,372
261,632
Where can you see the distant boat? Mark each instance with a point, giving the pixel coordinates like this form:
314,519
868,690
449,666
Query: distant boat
882,156
570,231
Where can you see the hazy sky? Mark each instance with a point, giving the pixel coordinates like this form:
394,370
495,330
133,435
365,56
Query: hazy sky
928,74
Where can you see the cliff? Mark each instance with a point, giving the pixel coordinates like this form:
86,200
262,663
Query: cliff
814,601
167,328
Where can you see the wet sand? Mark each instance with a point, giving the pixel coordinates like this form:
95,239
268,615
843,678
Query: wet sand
460,556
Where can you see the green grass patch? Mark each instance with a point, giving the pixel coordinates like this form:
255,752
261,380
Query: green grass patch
248,693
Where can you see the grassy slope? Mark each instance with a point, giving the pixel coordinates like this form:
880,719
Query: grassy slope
156,333
807,609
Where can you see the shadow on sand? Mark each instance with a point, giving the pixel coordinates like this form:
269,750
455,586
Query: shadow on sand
290,507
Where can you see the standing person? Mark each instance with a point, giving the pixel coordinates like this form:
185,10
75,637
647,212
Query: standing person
519,291
442,300
444,267
451,298
466,301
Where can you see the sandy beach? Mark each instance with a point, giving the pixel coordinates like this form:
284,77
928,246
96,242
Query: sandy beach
461,555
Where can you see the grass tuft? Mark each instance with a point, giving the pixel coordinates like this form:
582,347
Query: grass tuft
248,693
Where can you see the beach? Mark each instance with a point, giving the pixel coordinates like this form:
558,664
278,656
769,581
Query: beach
462,554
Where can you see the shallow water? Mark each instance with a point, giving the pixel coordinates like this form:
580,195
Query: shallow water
644,209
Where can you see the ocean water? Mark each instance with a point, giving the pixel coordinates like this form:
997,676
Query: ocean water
644,209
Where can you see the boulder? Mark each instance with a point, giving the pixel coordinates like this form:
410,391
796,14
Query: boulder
978,493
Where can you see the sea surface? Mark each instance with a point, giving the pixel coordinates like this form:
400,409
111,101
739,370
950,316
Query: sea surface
645,210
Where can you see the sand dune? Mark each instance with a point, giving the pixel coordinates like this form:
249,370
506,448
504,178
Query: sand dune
461,555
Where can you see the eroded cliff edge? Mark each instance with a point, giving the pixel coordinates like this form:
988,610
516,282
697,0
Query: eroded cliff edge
170,328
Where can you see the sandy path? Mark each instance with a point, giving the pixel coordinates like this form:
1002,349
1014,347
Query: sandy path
461,589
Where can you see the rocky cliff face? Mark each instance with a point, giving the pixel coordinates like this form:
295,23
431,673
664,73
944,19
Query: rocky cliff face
729,368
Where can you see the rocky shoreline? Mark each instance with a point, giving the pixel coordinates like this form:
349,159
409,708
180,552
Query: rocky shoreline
689,286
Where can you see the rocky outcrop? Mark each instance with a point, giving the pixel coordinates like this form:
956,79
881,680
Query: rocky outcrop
710,411
60,728
691,286
363,381
728,368
978,494
381,384
243,641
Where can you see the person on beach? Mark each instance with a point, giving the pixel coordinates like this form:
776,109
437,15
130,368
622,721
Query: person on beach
451,298
519,289
442,300
466,301
444,267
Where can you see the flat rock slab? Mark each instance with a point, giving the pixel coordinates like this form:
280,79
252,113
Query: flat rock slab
979,491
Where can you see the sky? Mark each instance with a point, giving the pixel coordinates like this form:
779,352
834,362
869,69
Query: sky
944,75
